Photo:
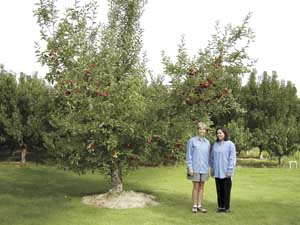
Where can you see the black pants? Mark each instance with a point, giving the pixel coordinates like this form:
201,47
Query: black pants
223,187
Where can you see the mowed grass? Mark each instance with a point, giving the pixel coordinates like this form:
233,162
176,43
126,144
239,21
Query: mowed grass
44,195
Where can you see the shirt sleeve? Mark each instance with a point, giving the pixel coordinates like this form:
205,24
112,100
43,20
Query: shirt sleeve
189,152
232,158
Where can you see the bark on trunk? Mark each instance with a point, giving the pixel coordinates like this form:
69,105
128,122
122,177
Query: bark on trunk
279,160
23,155
116,177
260,154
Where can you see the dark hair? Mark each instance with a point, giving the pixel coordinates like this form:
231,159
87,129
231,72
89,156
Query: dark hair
225,131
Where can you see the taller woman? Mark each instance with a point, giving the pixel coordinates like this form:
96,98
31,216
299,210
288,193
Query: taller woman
197,161
222,162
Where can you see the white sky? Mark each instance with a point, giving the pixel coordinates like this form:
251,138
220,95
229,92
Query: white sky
276,26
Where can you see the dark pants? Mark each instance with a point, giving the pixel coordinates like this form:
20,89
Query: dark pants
223,187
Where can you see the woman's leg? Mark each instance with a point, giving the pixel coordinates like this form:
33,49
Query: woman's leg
200,197
227,190
219,188
200,193
195,192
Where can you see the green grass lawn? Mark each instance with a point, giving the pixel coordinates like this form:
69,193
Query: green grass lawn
43,195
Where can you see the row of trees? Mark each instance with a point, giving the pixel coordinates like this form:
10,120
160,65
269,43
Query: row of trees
272,117
101,113
269,119
25,112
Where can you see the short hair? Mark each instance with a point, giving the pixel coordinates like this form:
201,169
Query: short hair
202,124
225,131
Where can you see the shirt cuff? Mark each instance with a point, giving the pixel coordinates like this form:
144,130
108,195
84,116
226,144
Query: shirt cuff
229,170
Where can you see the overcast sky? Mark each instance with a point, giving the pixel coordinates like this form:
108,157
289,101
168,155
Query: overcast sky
275,23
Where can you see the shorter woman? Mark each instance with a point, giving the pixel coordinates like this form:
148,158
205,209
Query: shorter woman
197,161
222,162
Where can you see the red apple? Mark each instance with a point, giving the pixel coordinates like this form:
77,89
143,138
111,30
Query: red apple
178,145
105,94
204,85
217,65
149,141
210,81
68,92
192,72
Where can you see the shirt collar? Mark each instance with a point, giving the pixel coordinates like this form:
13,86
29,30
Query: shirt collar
201,139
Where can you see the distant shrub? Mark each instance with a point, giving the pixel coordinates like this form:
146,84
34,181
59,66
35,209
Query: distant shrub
254,153
257,163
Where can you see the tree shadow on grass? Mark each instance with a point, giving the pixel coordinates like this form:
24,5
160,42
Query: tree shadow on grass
37,193
37,182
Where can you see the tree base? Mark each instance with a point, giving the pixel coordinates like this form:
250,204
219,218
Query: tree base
123,200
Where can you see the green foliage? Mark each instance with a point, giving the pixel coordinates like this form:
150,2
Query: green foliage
257,163
98,74
25,110
35,105
240,135
9,113
254,153
272,115
167,131
204,86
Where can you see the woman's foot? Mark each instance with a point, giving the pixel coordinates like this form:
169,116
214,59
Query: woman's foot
226,211
201,209
219,209
194,209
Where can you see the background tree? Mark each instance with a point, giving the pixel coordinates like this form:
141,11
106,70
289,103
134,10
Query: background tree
240,135
35,105
271,116
9,114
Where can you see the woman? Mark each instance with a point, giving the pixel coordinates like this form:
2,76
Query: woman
197,160
222,162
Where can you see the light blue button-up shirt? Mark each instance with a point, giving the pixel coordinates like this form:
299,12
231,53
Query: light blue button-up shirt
197,155
223,158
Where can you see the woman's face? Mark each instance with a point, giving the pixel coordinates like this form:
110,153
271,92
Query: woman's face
202,131
220,135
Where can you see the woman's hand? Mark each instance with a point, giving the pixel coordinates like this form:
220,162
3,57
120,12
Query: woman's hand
229,175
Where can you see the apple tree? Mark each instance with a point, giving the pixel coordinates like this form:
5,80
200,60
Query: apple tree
99,74
204,87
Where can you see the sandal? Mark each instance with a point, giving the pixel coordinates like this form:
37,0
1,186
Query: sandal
201,209
194,209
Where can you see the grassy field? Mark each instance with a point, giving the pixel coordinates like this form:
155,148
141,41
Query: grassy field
42,195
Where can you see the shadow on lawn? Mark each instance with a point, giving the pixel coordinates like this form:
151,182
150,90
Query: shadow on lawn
31,182
41,193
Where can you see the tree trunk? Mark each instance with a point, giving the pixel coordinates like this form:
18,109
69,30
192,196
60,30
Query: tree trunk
260,154
279,160
23,155
116,177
